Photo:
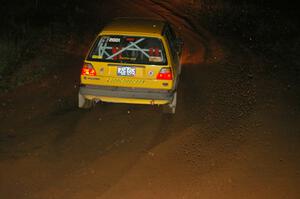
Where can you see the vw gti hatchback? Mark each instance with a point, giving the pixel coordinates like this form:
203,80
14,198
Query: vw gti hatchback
134,61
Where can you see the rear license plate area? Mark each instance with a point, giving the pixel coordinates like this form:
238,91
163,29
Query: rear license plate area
126,71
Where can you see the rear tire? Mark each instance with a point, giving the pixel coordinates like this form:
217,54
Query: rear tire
83,102
171,107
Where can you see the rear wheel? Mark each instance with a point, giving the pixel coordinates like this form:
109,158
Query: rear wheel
171,107
83,102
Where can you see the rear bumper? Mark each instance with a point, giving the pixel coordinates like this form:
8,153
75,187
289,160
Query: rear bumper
98,92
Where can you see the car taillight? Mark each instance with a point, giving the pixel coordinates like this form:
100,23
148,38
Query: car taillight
88,69
165,74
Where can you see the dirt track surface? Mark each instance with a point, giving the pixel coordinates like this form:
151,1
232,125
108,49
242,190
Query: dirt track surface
235,133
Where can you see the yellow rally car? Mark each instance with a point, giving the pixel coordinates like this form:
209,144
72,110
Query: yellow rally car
133,61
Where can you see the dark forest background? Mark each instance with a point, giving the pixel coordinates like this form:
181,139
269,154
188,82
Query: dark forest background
35,33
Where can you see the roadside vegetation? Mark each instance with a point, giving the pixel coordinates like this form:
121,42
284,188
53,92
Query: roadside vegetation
269,29
35,34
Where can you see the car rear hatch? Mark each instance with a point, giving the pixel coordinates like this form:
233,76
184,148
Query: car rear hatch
128,61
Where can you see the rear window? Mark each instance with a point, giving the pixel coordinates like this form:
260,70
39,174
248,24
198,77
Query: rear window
128,49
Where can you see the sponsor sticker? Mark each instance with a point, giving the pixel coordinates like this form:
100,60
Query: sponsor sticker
150,73
91,78
129,39
114,40
155,59
97,57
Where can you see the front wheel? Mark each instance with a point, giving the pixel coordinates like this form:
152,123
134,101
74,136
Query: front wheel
171,107
83,102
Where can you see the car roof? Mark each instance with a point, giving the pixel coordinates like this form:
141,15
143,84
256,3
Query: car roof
134,26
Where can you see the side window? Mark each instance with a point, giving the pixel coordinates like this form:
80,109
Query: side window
171,40
172,33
